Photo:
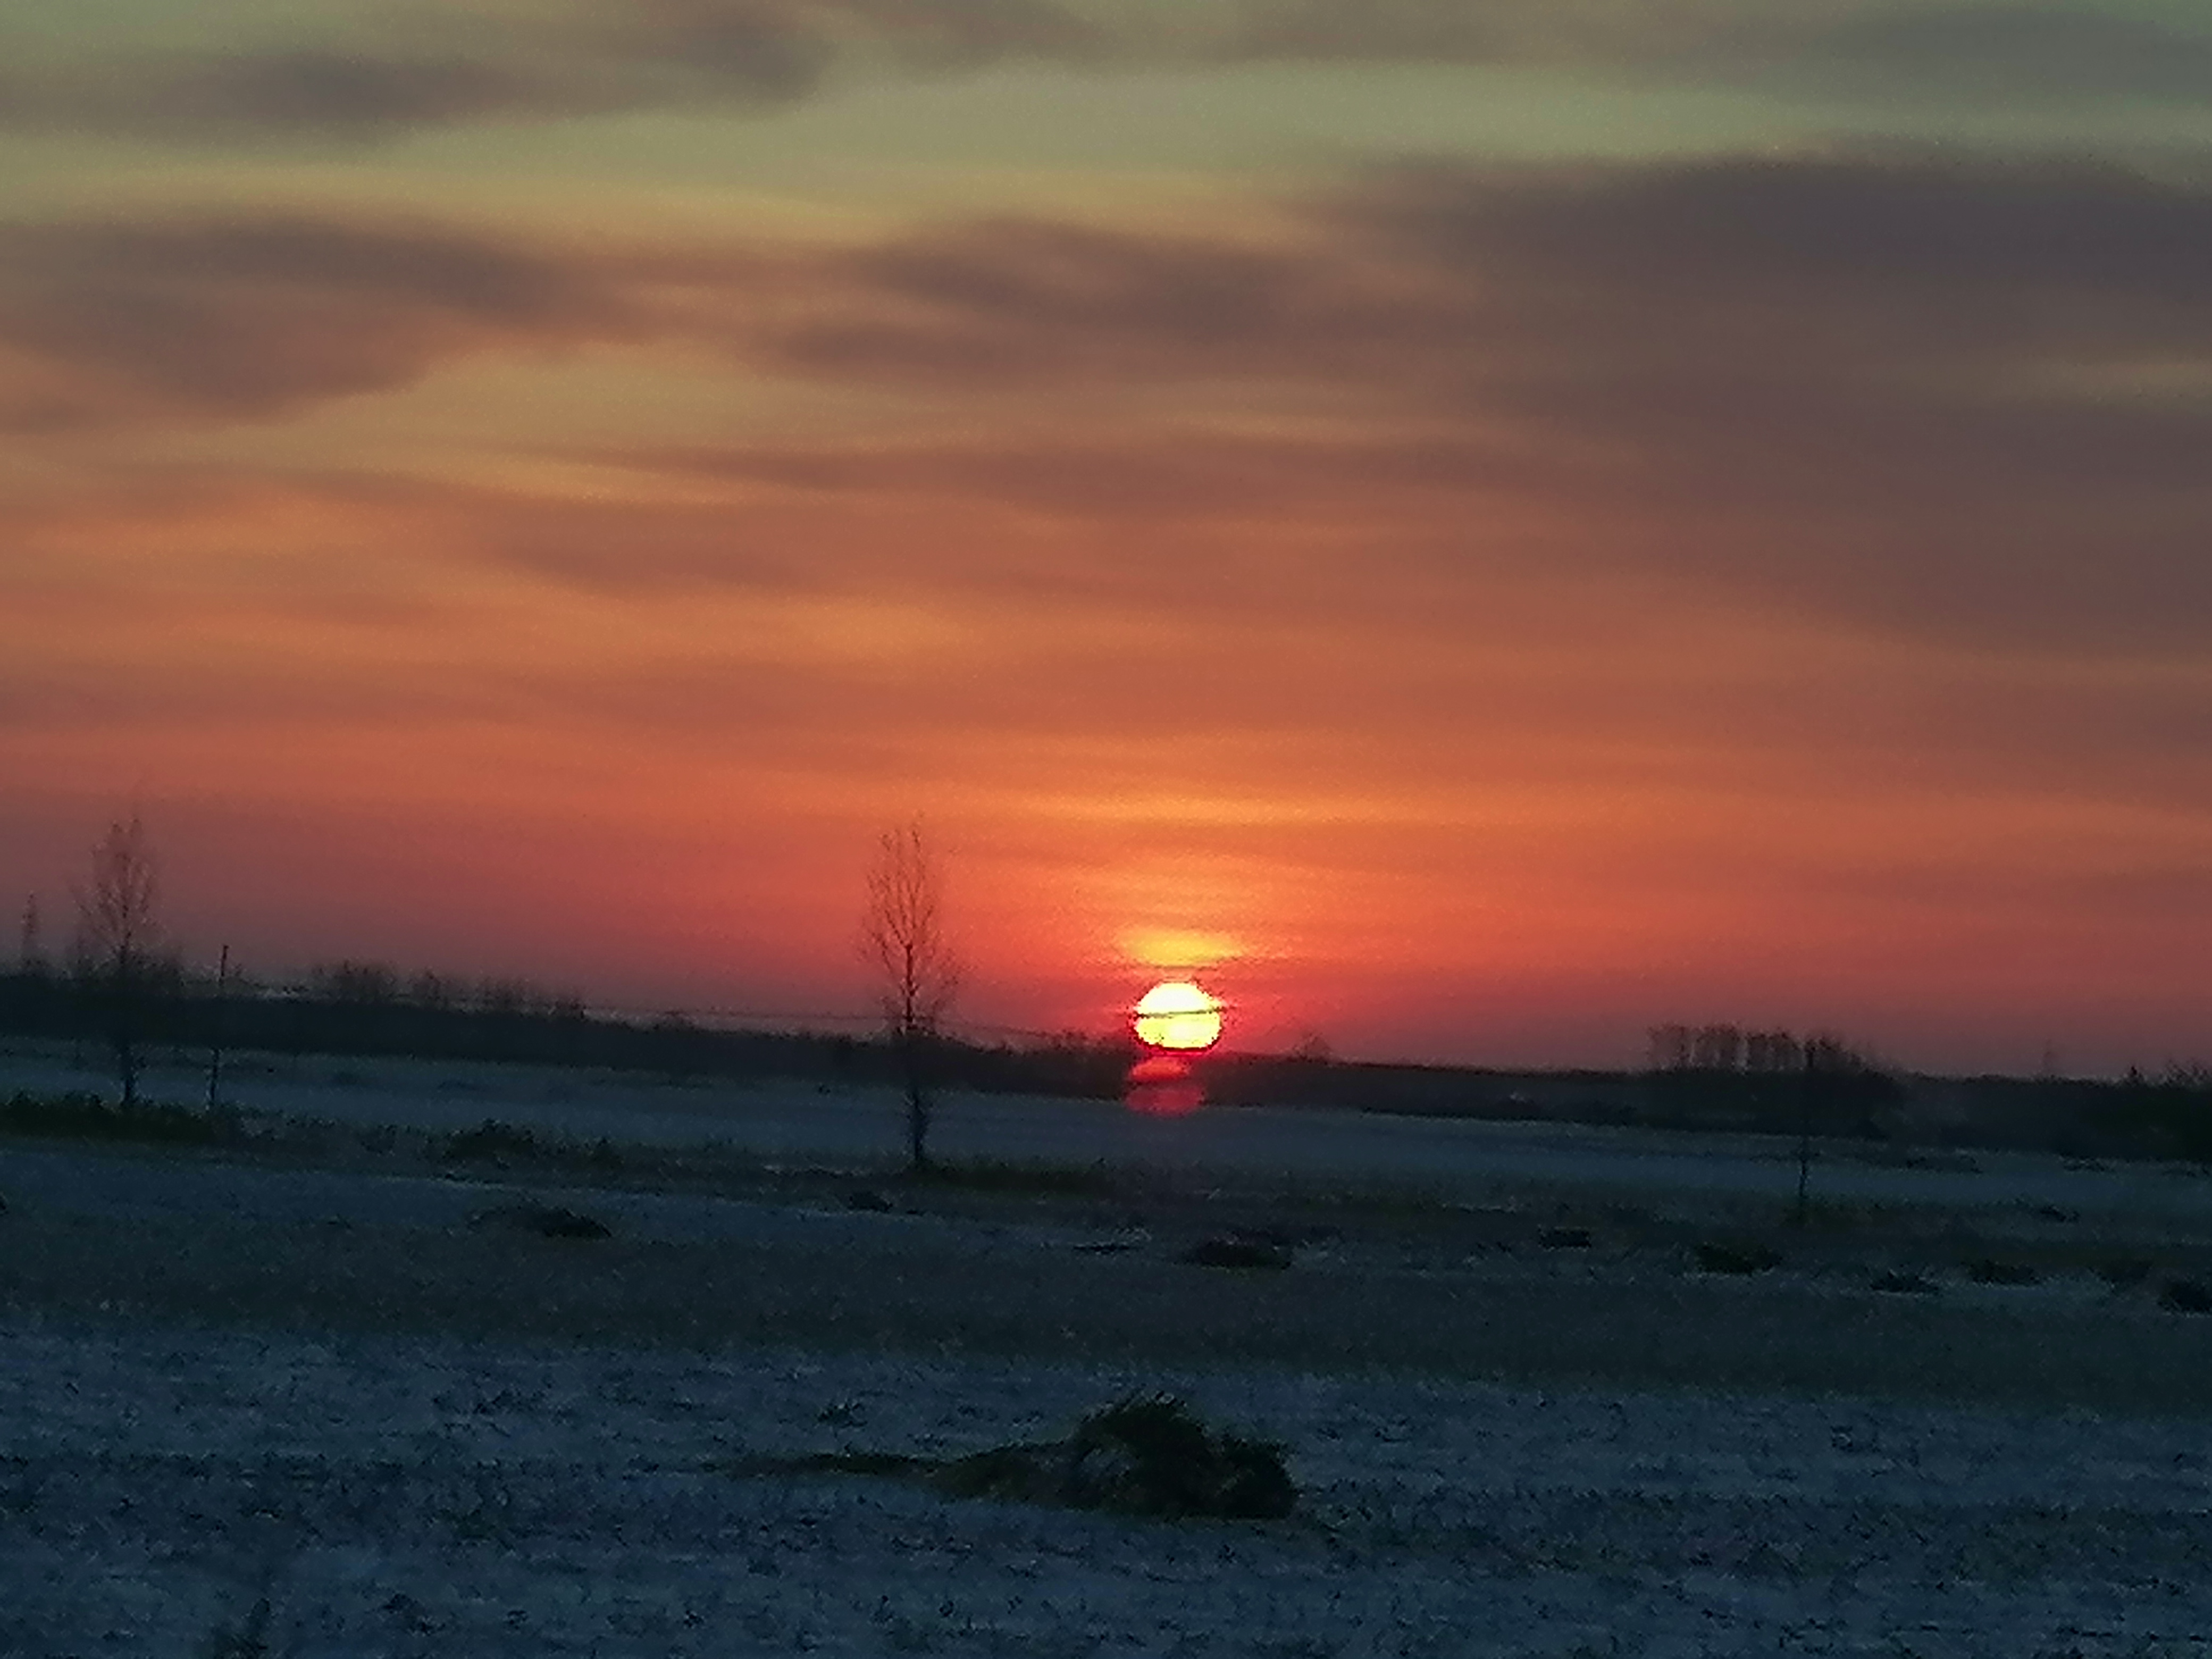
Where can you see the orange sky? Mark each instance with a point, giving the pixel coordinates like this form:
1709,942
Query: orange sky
1482,531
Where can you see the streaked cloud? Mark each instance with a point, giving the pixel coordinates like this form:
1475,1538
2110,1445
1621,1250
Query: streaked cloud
319,93
2012,52
393,73
1773,545
485,64
1935,376
247,317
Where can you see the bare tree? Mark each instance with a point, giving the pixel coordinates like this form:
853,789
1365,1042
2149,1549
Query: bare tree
118,933
32,959
917,974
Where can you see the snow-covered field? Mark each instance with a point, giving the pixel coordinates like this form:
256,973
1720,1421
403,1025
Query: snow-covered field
802,1123
326,1388
449,1497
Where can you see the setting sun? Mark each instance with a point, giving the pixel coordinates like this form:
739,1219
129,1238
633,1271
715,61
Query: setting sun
1178,1015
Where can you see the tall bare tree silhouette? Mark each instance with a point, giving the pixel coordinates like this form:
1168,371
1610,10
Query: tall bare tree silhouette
916,971
118,933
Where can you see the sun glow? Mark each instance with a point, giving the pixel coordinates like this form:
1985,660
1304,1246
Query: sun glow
1178,1017
1178,950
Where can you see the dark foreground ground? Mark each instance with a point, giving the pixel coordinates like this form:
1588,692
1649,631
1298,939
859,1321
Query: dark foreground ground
1523,1291
268,1409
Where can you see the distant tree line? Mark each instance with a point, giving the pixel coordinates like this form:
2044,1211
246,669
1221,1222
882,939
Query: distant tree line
123,989
1723,1075
1734,1049
364,1009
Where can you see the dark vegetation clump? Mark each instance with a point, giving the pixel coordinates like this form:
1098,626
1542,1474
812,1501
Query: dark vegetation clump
2123,1273
1565,1238
1232,1250
492,1140
1988,1270
874,1464
988,1174
542,1220
498,1143
1740,1258
869,1199
1144,1455
249,1639
2187,1296
87,1117
1904,1282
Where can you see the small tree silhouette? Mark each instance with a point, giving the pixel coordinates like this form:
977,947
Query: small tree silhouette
31,960
917,974
119,930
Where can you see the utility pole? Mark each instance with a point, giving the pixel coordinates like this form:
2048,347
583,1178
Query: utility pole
216,1032
1808,1083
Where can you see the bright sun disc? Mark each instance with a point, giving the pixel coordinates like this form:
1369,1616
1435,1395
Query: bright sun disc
1178,1015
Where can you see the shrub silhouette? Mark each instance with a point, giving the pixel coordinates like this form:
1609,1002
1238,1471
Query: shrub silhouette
1737,1259
1900,1282
87,1117
1990,1271
250,1640
993,1175
1238,1253
2187,1296
1144,1455
490,1139
545,1220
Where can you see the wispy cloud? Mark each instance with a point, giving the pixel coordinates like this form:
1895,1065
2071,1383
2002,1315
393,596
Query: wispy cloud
399,73
112,321
487,64
2013,52
320,93
1892,347
1962,396
1940,394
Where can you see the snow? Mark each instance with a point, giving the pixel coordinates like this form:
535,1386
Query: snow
807,1123
454,1494
444,1496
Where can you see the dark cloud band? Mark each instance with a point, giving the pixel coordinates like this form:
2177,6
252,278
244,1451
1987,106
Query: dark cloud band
755,54
1978,396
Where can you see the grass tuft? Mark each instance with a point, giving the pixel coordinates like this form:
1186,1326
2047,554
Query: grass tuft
87,1117
988,1175
248,1640
2187,1296
1144,1455
492,1140
1739,1259
1250,1254
545,1220
1902,1282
